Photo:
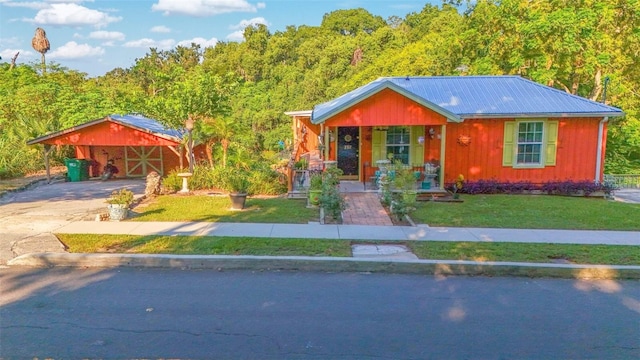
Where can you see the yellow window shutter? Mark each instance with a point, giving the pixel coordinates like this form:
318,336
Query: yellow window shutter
417,149
551,143
378,142
508,149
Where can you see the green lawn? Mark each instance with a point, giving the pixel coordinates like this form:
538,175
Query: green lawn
530,212
216,209
210,245
202,245
524,252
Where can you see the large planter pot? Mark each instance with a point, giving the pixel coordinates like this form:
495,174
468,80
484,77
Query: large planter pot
237,200
118,212
314,197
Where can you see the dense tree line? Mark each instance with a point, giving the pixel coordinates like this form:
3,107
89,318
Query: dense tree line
238,92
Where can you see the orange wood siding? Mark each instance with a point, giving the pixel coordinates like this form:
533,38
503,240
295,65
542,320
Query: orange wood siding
482,158
384,109
307,135
108,133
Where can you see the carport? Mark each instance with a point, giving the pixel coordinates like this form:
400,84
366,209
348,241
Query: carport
136,144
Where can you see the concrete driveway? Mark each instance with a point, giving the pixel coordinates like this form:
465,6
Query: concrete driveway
627,195
28,217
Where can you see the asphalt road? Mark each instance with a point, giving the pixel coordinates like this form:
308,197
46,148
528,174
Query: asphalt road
133,313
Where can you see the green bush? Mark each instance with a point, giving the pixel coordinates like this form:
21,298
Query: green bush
266,181
171,183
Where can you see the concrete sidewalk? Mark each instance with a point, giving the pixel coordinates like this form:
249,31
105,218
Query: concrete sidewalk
391,264
355,232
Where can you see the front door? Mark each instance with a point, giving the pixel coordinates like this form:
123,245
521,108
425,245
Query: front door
348,148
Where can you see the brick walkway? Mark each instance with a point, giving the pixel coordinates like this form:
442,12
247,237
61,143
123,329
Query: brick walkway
364,209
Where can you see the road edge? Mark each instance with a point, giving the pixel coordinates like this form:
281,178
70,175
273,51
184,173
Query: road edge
329,264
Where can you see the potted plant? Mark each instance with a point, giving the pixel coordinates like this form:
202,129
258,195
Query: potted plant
315,189
119,203
236,183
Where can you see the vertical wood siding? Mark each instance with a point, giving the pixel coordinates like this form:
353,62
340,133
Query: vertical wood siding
482,158
109,133
386,108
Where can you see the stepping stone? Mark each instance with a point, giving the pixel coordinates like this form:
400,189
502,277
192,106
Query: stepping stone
382,252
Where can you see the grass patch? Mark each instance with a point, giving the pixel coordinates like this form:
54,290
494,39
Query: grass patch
203,245
216,209
439,250
530,212
525,252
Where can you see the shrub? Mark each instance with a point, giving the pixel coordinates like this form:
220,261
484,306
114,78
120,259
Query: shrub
566,187
121,197
266,181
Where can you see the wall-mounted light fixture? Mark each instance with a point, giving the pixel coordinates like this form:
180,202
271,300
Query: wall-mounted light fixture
420,140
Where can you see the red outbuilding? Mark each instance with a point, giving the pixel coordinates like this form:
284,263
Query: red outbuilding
136,144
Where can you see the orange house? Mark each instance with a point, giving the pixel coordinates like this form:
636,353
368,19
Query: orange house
504,128
136,144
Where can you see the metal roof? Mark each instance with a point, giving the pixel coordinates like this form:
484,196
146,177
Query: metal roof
145,124
135,121
460,97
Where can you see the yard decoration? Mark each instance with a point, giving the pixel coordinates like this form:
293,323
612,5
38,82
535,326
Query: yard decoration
119,203
236,182
315,189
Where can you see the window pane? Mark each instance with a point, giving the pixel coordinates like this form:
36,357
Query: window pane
529,142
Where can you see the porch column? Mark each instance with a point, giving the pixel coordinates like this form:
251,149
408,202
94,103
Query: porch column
327,141
443,142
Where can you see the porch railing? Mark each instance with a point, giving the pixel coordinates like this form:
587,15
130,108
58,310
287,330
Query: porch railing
623,181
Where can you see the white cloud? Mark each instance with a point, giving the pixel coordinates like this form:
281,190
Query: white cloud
8,54
203,8
73,50
200,41
244,23
150,43
68,1
160,29
236,35
239,34
107,35
36,5
73,15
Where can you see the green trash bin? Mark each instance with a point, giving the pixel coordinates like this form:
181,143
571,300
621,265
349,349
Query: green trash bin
77,169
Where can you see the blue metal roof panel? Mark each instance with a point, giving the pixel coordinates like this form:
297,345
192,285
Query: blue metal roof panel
152,125
478,96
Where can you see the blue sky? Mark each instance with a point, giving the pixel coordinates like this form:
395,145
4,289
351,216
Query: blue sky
95,36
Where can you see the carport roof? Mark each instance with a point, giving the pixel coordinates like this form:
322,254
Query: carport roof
134,121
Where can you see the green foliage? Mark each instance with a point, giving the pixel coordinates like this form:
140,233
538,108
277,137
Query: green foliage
331,200
172,183
238,92
404,196
266,181
121,197
315,181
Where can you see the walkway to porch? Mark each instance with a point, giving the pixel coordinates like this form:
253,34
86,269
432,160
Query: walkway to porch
363,207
